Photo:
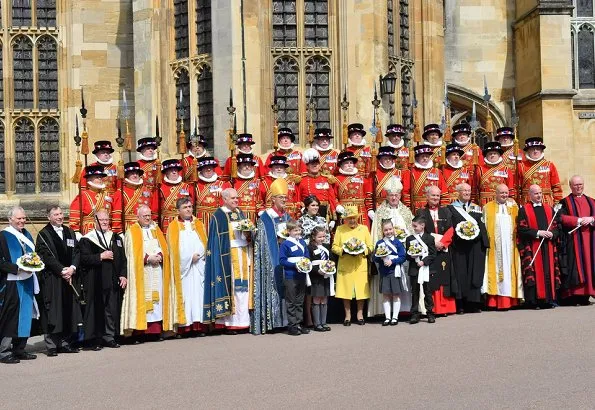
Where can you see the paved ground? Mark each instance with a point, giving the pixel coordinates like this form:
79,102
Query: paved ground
517,360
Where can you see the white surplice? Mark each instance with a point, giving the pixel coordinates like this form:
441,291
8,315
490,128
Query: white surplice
193,274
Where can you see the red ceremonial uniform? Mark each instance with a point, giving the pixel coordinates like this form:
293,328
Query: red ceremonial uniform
328,162
251,194
150,176
87,203
294,159
489,177
352,190
293,204
402,161
208,198
166,202
322,187
111,180
382,177
544,174
467,157
421,179
189,164
226,174
453,177
508,158
364,157
130,197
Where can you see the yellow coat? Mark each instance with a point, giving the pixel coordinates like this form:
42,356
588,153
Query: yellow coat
352,270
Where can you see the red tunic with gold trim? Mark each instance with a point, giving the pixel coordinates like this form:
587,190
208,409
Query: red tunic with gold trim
251,194
328,162
226,173
168,195
382,177
189,165
436,153
402,161
111,180
543,173
294,159
508,158
208,198
150,175
293,204
352,190
421,179
134,196
89,201
489,177
467,157
455,176
364,156
322,186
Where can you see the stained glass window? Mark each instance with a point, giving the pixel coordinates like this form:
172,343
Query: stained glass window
284,23
586,57
404,28
286,74
203,26
23,72
584,8
21,13
181,28
205,105
391,27
2,171
49,164
47,50
24,137
318,74
46,13
316,23
183,110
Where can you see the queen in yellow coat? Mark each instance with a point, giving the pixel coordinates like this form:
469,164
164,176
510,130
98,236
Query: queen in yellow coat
352,270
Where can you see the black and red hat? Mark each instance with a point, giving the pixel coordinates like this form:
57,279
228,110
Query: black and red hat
171,164
323,133
492,146
423,149
463,128
431,128
133,166
245,138
395,129
454,148
356,128
148,142
278,160
103,146
94,171
245,159
534,142
206,162
504,132
285,132
346,156
386,151
196,140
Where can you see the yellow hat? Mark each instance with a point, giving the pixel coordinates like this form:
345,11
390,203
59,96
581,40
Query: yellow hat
351,211
279,187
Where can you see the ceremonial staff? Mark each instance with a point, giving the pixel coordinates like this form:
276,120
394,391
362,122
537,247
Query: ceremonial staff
344,107
182,135
158,171
486,98
120,143
275,108
82,147
414,126
375,130
474,123
128,136
311,106
514,118
232,137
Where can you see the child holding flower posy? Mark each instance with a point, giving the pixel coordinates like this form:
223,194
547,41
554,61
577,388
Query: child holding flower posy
291,254
389,256
421,252
321,278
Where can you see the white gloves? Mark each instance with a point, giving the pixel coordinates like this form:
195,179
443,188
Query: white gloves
260,213
371,214
340,209
331,224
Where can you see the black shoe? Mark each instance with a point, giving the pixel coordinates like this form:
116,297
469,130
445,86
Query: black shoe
231,332
10,359
326,328
386,322
68,349
347,322
52,353
112,344
394,321
361,322
460,312
26,356
319,328
303,330
294,331
414,320
431,319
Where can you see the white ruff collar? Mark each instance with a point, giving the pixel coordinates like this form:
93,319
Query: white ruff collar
320,149
357,144
343,172
250,151
139,183
213,178
96,186
493,163
455,166
463,144
507,145
190,153
284,175
537,159
430,165
396,146
286,148
151,158
250,176
437,144
108,162
389,168
169,181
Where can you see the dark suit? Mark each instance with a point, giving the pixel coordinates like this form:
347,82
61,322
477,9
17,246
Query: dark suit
414,272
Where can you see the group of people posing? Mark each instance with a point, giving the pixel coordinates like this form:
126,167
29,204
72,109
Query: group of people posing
187,247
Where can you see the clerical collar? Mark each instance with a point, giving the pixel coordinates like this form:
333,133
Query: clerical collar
433,207
129,182
284,175
396,146
536,204
185,220
98,187
455,166
176,182
358,144
286,149
434,144
320,149
108,162
389,168
249,176
351,173
151,158
492,163
57,226
428,166
537,159
213,178
578,196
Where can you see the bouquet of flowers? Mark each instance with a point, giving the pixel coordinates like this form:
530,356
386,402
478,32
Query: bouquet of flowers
415,249
354,246
382,250
400,234
467,230
327,268
30,262
246,225
304,265
282,231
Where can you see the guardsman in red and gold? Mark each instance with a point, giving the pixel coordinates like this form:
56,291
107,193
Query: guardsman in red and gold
455,172
461,133
432,136
197,149
394,138
493,172
250,189
103,152
535,169
321,186
323,143
147,159
90,200
287,149
357,145
505,136
385,170
171,189
277,166
244,144
423,174
208,189
352,188
133,194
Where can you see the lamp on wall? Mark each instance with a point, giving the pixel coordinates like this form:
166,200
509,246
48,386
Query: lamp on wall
388,83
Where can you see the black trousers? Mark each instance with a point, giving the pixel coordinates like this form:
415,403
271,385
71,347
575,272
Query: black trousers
110,304
428,300
295,289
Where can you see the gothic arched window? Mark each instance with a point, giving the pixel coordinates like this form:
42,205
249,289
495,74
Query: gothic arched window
46,13
49,155
24,138
205,105
318,75
181,28
203,26
284,23
584,8
21,13
23,72
183,108
586,57
47,52
316,23
286,74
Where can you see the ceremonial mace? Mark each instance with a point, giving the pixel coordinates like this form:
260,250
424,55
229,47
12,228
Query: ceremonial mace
413,127
514,119
158,171
376,131
232,137
474,123
82,147
344,107
121,173
275,108
310,107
